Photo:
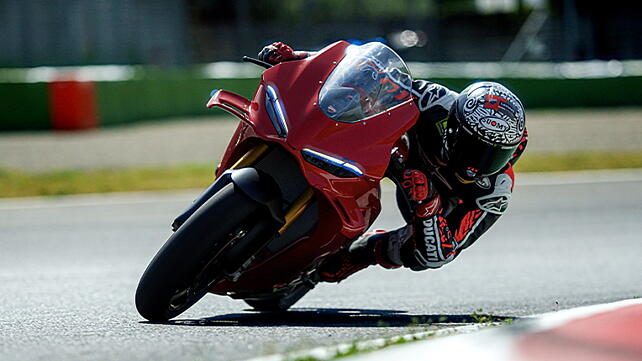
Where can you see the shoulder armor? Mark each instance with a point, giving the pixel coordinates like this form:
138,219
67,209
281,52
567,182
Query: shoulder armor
431,94
497,201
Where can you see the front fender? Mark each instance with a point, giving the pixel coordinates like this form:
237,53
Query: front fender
261,188
253,183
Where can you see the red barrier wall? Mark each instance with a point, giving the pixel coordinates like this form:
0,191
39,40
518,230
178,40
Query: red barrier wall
72,105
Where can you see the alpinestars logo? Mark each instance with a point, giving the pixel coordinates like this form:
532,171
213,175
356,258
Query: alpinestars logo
429,208
495,204
431,94
497,201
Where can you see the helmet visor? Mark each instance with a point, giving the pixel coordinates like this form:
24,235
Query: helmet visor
472,157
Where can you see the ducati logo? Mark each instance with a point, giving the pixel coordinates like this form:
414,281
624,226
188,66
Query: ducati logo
430,239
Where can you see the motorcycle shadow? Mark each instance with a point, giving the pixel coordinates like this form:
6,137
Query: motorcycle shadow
337,317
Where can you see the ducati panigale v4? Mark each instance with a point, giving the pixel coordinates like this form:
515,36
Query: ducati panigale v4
299,180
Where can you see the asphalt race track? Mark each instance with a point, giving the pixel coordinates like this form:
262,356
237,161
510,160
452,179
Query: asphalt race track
69,268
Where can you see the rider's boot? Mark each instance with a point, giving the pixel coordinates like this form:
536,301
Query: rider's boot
381,247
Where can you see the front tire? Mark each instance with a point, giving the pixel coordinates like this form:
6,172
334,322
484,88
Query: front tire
187,266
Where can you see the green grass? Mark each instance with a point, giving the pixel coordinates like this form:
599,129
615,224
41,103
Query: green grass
360,347
485,320
579,161
366,346
22,184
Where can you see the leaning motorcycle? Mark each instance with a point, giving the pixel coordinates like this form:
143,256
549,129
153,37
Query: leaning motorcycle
299,180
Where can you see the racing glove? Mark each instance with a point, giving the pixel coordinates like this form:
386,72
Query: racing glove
279,52
429,243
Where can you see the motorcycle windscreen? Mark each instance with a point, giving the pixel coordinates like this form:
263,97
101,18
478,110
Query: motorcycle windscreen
369,80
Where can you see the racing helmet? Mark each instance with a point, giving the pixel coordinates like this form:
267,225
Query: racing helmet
485,125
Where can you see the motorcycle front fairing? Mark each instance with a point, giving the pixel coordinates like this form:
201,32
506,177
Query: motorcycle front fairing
362,146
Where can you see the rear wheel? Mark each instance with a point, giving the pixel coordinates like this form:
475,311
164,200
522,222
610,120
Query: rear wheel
190,262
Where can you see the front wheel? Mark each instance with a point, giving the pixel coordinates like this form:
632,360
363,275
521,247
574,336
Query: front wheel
187,266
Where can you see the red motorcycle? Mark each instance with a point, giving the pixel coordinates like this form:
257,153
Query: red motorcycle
298,181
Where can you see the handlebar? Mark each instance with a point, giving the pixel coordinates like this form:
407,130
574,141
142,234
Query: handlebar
258,62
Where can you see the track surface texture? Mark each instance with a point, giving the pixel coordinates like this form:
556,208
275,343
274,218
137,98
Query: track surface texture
70,266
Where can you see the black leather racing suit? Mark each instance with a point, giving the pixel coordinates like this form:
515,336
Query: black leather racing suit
453,215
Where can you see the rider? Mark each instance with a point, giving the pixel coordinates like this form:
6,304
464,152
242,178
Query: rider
453,170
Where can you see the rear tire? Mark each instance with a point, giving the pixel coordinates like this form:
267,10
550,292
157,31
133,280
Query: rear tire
186,267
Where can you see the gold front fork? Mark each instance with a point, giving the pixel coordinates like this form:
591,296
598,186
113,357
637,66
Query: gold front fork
299,205
250,157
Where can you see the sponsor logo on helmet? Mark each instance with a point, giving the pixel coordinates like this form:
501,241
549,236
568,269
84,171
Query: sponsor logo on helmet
494,124
494,101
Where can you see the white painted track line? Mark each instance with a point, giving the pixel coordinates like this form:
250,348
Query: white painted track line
477,342
494,344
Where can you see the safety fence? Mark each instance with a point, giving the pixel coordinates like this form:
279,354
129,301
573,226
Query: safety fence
88,97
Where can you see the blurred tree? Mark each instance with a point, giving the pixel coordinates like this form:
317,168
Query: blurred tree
295,11
456,7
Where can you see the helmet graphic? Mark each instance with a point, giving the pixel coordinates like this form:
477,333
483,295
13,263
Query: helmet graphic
485,125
